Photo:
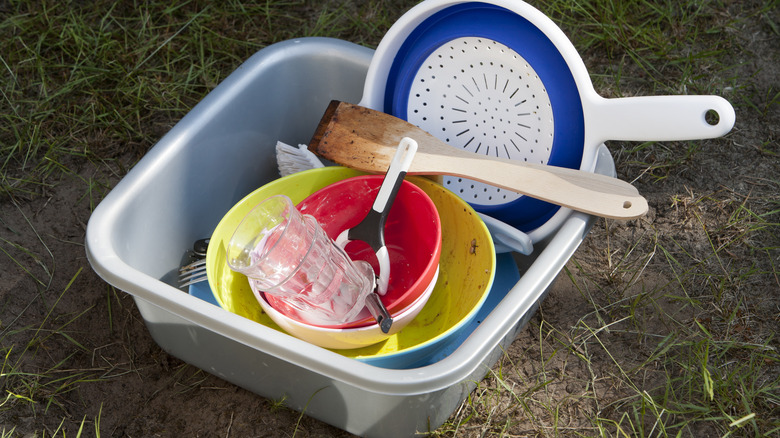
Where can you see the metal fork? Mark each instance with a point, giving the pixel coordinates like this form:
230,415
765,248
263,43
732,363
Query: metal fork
194,272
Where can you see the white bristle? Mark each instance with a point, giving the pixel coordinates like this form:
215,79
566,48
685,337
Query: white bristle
293,160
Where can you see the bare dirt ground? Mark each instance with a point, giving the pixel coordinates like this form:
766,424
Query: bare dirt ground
135,389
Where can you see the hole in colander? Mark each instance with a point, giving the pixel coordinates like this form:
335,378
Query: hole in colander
712,117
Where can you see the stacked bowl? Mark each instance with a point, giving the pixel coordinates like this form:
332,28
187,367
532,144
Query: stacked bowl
441,271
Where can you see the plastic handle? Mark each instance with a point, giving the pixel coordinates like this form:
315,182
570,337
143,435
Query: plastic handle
395,174
507,238
379,312
658,118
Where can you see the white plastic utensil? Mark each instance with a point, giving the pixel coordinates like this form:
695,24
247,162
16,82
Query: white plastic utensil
373,303
371,229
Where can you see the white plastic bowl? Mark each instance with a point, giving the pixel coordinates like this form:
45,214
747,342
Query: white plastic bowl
348,338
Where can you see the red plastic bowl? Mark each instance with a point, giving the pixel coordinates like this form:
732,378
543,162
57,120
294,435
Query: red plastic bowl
412,236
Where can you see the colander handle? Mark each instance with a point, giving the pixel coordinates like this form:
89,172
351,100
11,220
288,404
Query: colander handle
507,238
657,118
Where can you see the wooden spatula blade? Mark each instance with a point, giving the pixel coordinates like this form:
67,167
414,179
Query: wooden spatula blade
359,149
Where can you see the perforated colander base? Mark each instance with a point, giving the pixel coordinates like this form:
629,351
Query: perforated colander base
480,95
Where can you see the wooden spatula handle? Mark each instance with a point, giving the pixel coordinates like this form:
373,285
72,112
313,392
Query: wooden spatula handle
581,191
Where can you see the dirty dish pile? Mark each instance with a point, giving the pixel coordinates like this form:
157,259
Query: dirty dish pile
315,290
412,235
413,239
441,302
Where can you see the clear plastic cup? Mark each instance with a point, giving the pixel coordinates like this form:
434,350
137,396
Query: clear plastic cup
288,254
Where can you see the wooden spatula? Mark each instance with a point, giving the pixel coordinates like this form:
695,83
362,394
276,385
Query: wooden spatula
365,139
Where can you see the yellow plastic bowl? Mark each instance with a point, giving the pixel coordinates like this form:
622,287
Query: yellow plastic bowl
467,268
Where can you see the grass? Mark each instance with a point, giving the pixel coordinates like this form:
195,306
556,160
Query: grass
683,357
671,328
112,73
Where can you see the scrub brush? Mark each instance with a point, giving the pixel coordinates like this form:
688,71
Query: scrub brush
293,160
